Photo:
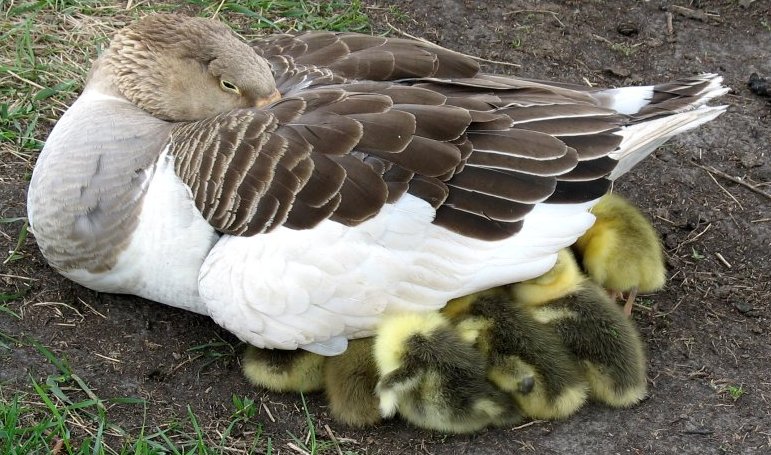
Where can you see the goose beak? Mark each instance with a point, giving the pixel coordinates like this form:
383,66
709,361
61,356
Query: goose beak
273,97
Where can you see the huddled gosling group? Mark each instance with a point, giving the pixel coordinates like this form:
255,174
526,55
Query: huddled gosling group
537,349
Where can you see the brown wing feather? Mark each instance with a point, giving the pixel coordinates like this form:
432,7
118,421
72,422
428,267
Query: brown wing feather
472,225
672,96
511,185
363,192
554,167
431,190
480,149
485,206
357,56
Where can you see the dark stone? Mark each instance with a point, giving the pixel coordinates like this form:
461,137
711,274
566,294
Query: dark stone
628,29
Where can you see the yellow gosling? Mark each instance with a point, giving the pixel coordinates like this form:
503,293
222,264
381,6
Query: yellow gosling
284,371
622,251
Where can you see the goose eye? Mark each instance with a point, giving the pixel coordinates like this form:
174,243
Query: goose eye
229,87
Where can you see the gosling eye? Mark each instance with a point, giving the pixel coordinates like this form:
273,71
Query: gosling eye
229,87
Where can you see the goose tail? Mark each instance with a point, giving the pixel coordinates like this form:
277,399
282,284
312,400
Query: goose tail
659,112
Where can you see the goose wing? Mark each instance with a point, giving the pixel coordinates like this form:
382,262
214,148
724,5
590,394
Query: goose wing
341,152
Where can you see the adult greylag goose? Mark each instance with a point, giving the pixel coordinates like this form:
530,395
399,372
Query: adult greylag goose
298,188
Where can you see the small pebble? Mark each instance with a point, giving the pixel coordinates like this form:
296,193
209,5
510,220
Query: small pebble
743,307
758,85
750,160
618,71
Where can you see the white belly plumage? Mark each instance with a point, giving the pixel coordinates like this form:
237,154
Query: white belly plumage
316,288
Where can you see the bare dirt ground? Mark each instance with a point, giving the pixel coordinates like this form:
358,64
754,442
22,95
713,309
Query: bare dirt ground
707,333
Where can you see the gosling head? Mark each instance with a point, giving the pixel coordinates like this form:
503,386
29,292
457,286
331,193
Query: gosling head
182,68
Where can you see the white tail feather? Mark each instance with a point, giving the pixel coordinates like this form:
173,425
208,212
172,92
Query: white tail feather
643,138
630,100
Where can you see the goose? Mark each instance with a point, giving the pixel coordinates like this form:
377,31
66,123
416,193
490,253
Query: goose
299,188
526,358
600,336
350,380
434,378
621,251
284,371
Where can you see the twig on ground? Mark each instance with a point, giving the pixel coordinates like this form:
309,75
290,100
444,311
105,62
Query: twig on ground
297,449
723,260
695,14
661,315
537,11
91,308
333,438
525,425
603,39
701,431
741,182
724,190
693,239
109,359
267,411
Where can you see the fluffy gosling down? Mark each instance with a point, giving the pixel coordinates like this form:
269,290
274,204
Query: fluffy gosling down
435,379
350,380
621,251
592,327
284,371
526,358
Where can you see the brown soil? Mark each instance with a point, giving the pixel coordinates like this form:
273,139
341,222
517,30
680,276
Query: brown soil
707,331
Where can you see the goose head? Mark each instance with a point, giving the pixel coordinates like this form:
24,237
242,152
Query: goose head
180,68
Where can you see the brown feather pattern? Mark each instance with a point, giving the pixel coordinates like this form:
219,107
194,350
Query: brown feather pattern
481,149
672,97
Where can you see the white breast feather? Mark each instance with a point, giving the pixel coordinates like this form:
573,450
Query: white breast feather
166,250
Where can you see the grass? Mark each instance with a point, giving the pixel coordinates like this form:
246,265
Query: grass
735,391
728,388
16,254
282,15
624,49
212,352
46,47
62,414
40,423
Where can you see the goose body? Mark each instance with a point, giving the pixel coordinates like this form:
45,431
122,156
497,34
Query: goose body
526,358
622,251
435,378
603,340
391,175
284,371
350,380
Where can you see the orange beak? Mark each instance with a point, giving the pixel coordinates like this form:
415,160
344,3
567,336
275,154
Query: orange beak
273,97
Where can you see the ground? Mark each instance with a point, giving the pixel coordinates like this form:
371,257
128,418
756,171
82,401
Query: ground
707,193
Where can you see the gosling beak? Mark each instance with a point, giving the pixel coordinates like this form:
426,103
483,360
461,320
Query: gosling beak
275,96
